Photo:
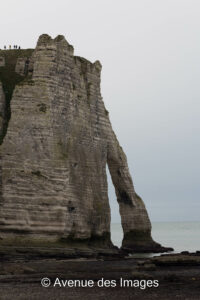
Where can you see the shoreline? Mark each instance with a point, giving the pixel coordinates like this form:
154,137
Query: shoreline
178,276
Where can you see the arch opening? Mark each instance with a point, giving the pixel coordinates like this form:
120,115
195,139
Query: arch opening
116,226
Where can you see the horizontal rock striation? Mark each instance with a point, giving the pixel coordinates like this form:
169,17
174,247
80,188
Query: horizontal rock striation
54,152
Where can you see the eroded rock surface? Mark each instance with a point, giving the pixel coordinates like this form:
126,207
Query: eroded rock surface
54,154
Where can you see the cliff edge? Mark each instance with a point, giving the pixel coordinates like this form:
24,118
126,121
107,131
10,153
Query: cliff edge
56,140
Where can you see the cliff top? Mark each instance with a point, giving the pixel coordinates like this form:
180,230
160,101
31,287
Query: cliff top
12,55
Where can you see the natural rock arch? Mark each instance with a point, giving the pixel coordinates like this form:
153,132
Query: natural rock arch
54,155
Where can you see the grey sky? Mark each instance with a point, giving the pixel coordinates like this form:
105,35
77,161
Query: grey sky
150,52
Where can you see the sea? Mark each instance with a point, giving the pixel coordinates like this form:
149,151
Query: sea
182,236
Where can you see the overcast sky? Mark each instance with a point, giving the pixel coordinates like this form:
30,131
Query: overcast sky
150,52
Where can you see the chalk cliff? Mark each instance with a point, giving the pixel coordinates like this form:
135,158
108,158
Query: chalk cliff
56,141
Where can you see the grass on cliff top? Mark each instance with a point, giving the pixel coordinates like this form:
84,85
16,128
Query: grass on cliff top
12,55
10,78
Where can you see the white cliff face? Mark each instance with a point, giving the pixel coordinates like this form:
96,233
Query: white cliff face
54,155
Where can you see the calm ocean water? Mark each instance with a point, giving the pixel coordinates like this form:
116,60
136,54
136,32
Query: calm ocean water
178,235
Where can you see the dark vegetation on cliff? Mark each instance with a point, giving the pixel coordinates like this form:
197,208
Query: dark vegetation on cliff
9,79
